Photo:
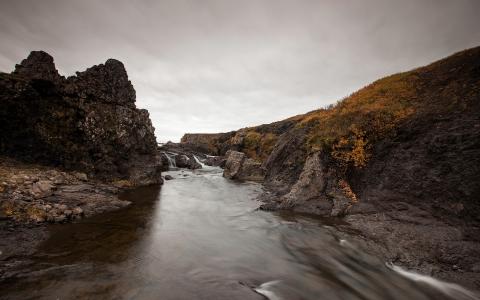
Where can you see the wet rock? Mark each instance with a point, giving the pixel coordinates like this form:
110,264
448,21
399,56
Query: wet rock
165,161
59,218
193,164
215,161
182,161
168,177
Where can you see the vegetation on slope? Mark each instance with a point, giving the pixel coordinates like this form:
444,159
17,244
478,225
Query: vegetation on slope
348,130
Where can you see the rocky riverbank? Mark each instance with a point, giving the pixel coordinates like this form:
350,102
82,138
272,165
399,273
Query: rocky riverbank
35,194
398,160
68,146
32,196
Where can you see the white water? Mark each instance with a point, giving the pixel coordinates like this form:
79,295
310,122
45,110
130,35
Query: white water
450,289
171,160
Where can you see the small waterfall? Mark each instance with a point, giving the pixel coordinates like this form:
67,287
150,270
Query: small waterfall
171,160
198,161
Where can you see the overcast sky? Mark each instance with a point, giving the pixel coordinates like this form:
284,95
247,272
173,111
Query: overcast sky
214,66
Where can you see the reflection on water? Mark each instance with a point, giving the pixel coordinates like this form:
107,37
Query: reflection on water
200,237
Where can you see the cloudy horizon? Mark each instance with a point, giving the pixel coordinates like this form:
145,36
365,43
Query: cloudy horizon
216,66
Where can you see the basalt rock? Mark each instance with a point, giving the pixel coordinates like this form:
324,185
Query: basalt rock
88,122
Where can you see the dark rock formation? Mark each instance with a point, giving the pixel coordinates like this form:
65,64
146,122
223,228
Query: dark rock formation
182,161
86,122
38,65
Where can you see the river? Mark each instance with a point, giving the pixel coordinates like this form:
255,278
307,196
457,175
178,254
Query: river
200,236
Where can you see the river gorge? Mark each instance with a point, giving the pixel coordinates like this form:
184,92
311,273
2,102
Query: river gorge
201,236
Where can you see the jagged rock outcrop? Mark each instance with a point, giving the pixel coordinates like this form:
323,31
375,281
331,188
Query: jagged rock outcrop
88,122
238,166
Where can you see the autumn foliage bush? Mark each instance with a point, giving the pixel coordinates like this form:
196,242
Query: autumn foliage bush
348,130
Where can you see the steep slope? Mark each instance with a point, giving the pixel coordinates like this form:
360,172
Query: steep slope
86,122
413,137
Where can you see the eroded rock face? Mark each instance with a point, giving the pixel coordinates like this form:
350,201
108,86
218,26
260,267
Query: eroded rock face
318,190
86,122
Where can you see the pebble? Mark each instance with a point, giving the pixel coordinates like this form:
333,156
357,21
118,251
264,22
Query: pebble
77,211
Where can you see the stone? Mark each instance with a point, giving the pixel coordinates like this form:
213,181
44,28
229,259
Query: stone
182,161
168,177
233,164
42,189
77,211
62,207
193,164
238,166
80,176
60,219
251,170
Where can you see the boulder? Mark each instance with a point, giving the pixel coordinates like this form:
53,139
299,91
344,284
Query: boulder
319,190
182,161
42,189
233,164
193,164
215,161
168,177
165,162
238,166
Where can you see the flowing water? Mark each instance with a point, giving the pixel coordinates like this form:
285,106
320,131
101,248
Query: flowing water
201,237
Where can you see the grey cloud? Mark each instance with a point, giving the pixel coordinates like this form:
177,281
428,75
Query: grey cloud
210,66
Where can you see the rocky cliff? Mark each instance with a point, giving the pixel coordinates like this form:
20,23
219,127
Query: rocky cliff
399,160
87,122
